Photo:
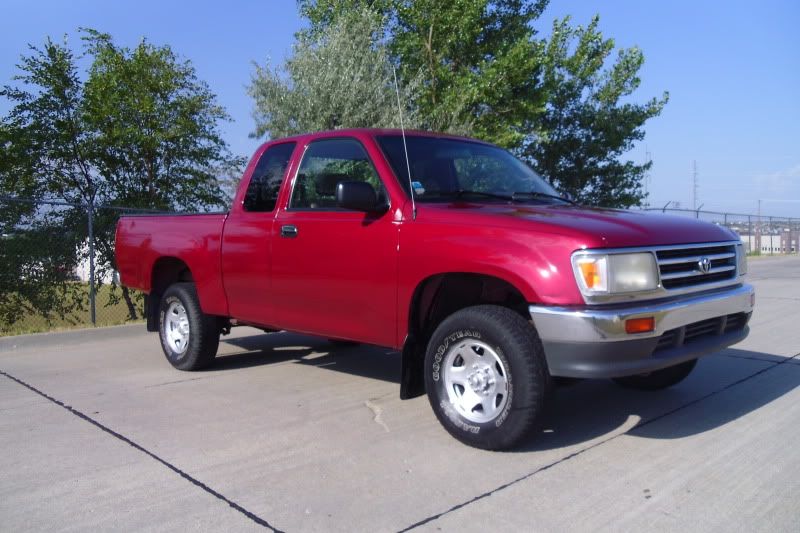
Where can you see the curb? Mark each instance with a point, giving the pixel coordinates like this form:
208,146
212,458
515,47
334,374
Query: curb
69,338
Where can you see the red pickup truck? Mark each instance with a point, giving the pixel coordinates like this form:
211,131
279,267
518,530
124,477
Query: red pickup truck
453,252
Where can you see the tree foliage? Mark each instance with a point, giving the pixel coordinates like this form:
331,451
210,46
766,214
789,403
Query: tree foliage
589,124
560,101
138,129
38,264
339,77
473,63
477,57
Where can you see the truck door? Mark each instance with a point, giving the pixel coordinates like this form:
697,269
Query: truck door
246,242
334,270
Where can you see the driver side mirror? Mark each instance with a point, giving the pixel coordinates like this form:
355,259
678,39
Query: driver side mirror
358,196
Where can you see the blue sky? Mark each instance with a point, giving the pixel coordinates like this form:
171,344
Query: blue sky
732,70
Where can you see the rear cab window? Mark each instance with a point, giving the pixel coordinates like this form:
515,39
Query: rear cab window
265,184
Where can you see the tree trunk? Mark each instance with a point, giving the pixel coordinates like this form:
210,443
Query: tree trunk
132,315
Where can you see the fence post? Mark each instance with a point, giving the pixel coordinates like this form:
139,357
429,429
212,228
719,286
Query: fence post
769,230
92,308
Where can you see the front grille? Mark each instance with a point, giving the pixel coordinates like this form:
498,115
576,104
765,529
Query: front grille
681,267
712,326
667,340
702,330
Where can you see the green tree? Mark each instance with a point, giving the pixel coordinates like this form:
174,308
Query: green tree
337,77
137,130
479,58
561,102
476,62
589,123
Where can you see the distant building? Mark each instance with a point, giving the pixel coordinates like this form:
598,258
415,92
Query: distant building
784,242
82,268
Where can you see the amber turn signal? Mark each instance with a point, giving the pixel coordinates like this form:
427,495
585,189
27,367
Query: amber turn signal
640,325
593,273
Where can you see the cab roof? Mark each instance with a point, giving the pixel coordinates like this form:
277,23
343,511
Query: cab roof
373,132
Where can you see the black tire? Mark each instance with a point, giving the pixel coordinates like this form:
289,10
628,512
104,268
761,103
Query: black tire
203,330
659,379
488,334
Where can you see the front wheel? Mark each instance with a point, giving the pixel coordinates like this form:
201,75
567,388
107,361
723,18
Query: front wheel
658,379
189,337
486,376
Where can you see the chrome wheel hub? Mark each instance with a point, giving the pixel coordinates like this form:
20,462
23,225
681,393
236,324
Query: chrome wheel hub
176,327
481,380
476,380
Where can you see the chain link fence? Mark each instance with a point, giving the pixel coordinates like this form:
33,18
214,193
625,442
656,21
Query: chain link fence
761,235
56,267
57,261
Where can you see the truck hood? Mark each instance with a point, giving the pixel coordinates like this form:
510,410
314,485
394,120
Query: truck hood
598,227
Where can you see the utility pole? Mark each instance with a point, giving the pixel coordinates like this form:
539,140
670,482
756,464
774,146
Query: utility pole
695,184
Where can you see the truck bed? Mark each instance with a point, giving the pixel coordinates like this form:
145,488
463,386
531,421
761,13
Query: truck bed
141,240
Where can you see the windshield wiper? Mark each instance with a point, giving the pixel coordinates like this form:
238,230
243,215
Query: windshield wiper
537,194
461,192
517,196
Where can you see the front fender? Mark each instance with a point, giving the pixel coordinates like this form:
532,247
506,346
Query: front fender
536,264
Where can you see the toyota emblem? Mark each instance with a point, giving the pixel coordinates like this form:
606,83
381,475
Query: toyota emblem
704,265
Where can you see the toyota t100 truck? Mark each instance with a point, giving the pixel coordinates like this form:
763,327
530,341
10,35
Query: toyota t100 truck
453,252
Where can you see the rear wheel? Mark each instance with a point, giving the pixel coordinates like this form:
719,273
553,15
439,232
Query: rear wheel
658,379
189,337
486,376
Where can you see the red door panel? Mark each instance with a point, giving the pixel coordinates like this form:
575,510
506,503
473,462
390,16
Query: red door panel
337,276
246,243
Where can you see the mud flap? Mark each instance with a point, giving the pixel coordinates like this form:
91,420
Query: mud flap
151,304
412,379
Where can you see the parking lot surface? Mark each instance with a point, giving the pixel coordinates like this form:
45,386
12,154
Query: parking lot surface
288,432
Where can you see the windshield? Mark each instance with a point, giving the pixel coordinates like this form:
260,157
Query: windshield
443,169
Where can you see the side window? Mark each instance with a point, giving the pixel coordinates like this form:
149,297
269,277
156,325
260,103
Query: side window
325,164
262,193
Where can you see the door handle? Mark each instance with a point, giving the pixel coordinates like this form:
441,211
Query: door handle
289,231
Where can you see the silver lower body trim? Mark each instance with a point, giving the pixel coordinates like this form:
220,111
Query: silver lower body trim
607,324
592,342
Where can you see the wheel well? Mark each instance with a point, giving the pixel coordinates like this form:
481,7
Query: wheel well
438,297
166,271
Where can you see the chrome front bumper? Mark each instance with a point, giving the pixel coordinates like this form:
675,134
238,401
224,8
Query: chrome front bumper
592,342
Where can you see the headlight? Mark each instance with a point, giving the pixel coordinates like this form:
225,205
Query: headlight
741,259
615,273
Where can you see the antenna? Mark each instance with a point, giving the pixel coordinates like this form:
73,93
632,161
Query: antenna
405,147
647,179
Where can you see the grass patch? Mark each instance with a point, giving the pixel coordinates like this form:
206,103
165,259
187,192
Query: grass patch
107,314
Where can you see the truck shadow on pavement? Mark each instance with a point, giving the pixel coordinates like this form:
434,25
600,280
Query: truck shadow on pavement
722,388
272,348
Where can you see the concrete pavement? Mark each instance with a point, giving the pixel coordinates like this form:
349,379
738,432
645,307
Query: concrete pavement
99,432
